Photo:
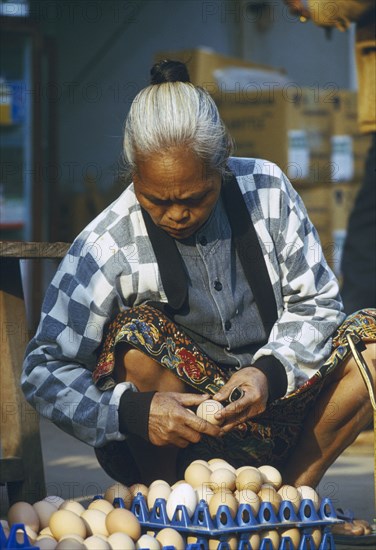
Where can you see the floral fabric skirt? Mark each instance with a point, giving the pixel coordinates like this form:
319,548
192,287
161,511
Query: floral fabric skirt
266,439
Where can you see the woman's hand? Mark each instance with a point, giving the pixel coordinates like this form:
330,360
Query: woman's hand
171,423
254,384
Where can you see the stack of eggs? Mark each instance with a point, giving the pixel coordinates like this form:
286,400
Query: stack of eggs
56,524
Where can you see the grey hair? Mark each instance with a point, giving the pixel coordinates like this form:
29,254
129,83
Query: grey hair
175,114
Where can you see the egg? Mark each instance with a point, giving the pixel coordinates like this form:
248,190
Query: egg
223,498
120,520
31,535
268,494
179,482
118,490
170,537
182,494
139,488
222,479
70,544
46,543
96,543
162,490
120,541
197,474
255,541
148,542
55,500
220,463
72,506
271,475
231,541
204,492
158,482
273,536
23,512
291,494
65,522
246,496
95,522
200,461
101,504
249,478
46,531
293,534
207,409
316,535
44,509
307,492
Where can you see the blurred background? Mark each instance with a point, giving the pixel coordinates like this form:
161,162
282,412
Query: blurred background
70,69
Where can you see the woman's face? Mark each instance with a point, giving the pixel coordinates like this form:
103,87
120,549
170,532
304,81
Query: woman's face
176,190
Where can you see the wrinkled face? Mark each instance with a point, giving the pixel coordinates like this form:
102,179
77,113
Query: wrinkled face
176,190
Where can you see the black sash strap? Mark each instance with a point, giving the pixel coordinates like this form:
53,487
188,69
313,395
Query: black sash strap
171,266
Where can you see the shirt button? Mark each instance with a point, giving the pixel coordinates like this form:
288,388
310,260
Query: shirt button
227,325
218,285
203,240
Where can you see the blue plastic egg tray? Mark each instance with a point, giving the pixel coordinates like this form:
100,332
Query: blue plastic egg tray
223,526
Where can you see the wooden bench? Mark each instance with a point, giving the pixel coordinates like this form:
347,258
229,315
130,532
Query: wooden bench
21,462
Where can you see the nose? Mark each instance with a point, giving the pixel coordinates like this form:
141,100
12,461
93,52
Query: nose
178,213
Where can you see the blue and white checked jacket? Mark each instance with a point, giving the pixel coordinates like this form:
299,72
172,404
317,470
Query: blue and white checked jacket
111,266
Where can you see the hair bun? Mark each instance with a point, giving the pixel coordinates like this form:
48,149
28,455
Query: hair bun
169,71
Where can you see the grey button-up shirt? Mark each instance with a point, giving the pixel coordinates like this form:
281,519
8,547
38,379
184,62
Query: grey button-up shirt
222,316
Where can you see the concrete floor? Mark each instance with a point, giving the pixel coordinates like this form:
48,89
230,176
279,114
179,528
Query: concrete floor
72,471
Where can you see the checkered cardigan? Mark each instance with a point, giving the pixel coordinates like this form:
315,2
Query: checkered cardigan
111,266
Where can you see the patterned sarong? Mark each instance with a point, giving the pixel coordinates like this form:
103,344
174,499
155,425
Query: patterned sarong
268,437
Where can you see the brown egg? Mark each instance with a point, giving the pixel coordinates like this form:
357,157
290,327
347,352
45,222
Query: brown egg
158,491
291,494
219,464
307,492
220,498
118,490
204,492
96,543
271,475
273,536
72,506
207,409
95,522
123,521
255,541
101,504
120,541
139,488
65,522
249,478
231,541
222,479
293,534
23,512
170,537
251,498
44,509
267,494
197,474
316,535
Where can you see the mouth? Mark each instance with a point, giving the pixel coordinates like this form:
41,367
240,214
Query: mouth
180,233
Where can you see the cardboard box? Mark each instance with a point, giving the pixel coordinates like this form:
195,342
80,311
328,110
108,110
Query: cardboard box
285,125
349,146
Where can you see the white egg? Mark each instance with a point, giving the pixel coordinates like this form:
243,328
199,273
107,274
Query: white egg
148,542
182,494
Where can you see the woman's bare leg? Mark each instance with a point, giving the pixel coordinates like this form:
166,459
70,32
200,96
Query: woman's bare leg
342,410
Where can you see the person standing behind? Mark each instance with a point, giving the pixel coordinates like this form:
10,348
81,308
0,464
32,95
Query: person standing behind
359,254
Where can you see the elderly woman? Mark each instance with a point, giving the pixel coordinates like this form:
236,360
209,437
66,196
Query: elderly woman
204,278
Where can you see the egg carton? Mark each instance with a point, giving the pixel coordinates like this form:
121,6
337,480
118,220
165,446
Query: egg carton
245,523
